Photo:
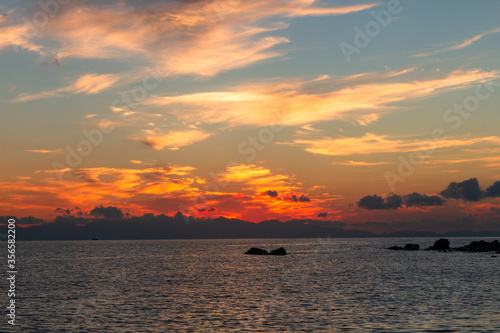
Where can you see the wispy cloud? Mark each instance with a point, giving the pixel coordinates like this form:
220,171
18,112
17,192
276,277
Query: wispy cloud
373,144
45,151
88,84
17,36
321,11
459,46
185,37
300,102
173,140
361,163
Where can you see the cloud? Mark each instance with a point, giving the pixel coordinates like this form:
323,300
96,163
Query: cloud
29,220
464,44
417,199
89,84
64,211
17,36
318,11
185,37
377,202
109,212
361,163
272,193
322,215
372,144
297,102
254,178
173,140
46,151
468,190
493,191
93,83
395,201
241,191
296,198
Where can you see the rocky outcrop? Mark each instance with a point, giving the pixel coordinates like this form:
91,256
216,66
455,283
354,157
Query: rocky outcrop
480,246
257,251
408,247
444,245
441,244
411,247
278,252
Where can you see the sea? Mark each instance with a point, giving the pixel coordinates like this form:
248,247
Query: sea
322,285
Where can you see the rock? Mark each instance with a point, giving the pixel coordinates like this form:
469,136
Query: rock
278,252
257,251
493,256
412,247
441,244
396,248
481,246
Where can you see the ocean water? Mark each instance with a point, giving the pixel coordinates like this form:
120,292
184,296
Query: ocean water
323,285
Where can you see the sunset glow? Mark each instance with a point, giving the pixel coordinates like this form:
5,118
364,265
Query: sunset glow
254,110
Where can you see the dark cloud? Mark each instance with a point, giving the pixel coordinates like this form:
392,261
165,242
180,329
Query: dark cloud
64,211
322,215
493,191
109,212
396,201
272,193
377,202
295,198
29,220
207,210
304,198
417,199
73,220
372,202
468,190
70,212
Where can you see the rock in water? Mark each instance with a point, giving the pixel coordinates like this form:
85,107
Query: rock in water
257,251
412,247
481,246
396,248
278,252
441,244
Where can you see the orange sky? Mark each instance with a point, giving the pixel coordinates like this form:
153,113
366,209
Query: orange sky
251,110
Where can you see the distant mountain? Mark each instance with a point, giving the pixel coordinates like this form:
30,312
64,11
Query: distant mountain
177,227
151,226
409,233
469,233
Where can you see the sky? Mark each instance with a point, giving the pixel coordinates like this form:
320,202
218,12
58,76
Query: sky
380,115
